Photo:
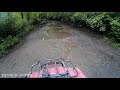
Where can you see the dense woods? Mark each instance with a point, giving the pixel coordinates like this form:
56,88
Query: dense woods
15,25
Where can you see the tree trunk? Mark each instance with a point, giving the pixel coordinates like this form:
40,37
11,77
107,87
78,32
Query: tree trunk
46,15
39,15
28,16
22,16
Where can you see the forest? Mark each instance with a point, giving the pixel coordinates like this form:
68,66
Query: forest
15,25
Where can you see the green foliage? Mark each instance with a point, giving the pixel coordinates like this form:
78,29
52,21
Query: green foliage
7,43
79,18
66,17
25,32
13,26
37,17
115,34
7,27
52,15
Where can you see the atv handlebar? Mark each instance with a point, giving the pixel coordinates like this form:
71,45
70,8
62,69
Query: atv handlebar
51,61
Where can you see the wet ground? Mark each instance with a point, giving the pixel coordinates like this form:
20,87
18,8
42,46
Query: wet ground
95,57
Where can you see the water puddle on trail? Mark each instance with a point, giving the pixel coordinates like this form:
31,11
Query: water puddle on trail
56,32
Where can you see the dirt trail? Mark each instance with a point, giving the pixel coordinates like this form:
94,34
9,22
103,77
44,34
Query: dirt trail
95,57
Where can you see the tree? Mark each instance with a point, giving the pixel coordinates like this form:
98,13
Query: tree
39,14
28,16
22,15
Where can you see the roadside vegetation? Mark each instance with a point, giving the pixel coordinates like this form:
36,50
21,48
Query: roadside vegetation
14,26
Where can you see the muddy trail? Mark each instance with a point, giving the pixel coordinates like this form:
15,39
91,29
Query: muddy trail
95,57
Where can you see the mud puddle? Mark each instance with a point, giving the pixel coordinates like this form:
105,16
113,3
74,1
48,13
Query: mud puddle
56,32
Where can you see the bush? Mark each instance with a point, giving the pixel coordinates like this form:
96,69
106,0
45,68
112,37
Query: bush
78,19
35,21
66,17
7,27
12,25
7,43
25,32
115,34
52,15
